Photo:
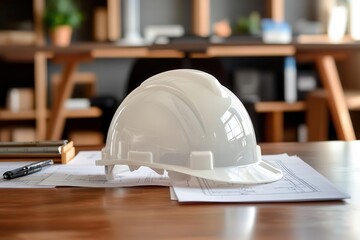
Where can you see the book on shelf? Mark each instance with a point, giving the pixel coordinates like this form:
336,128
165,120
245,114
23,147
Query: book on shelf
20,99
60,151
77,103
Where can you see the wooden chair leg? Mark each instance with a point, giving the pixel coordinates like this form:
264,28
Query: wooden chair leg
275,127
66,85
336,99
317,116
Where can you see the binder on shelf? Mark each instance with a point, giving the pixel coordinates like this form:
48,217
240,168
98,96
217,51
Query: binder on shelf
61,151
290,80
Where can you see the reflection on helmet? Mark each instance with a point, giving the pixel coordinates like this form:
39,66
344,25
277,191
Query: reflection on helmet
186,122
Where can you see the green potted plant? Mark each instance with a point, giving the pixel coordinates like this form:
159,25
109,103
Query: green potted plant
60,17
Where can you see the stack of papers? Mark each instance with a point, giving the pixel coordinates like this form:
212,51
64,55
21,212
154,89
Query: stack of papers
81,172
300,181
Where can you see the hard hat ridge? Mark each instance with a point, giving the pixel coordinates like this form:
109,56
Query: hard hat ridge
186,122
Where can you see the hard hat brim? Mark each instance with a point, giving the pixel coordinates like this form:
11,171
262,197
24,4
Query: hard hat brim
255,173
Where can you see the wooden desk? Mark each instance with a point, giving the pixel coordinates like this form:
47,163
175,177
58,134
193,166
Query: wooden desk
72,56
148,213
324,54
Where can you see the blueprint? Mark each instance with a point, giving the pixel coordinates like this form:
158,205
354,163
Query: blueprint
81,172
299,183
94,176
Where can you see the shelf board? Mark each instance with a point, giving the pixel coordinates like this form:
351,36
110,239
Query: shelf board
91,112
280,106
7,115
14,116
250,50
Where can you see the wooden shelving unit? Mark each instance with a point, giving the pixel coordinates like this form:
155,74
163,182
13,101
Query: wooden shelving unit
41,113
200,26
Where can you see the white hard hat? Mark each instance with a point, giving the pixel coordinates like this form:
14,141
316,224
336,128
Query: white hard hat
186,122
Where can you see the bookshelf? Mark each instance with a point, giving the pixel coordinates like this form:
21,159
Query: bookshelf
40,115
200,25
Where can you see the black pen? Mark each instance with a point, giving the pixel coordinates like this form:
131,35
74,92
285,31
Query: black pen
26,170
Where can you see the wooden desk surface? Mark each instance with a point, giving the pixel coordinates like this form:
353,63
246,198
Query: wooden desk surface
148,213
173,50
232,47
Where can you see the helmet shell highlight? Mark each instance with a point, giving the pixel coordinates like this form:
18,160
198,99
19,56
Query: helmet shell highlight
186,122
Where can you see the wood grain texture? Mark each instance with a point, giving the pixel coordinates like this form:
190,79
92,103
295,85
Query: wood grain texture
148,212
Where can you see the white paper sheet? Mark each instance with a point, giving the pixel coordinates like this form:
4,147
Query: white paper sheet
300,183
85,158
